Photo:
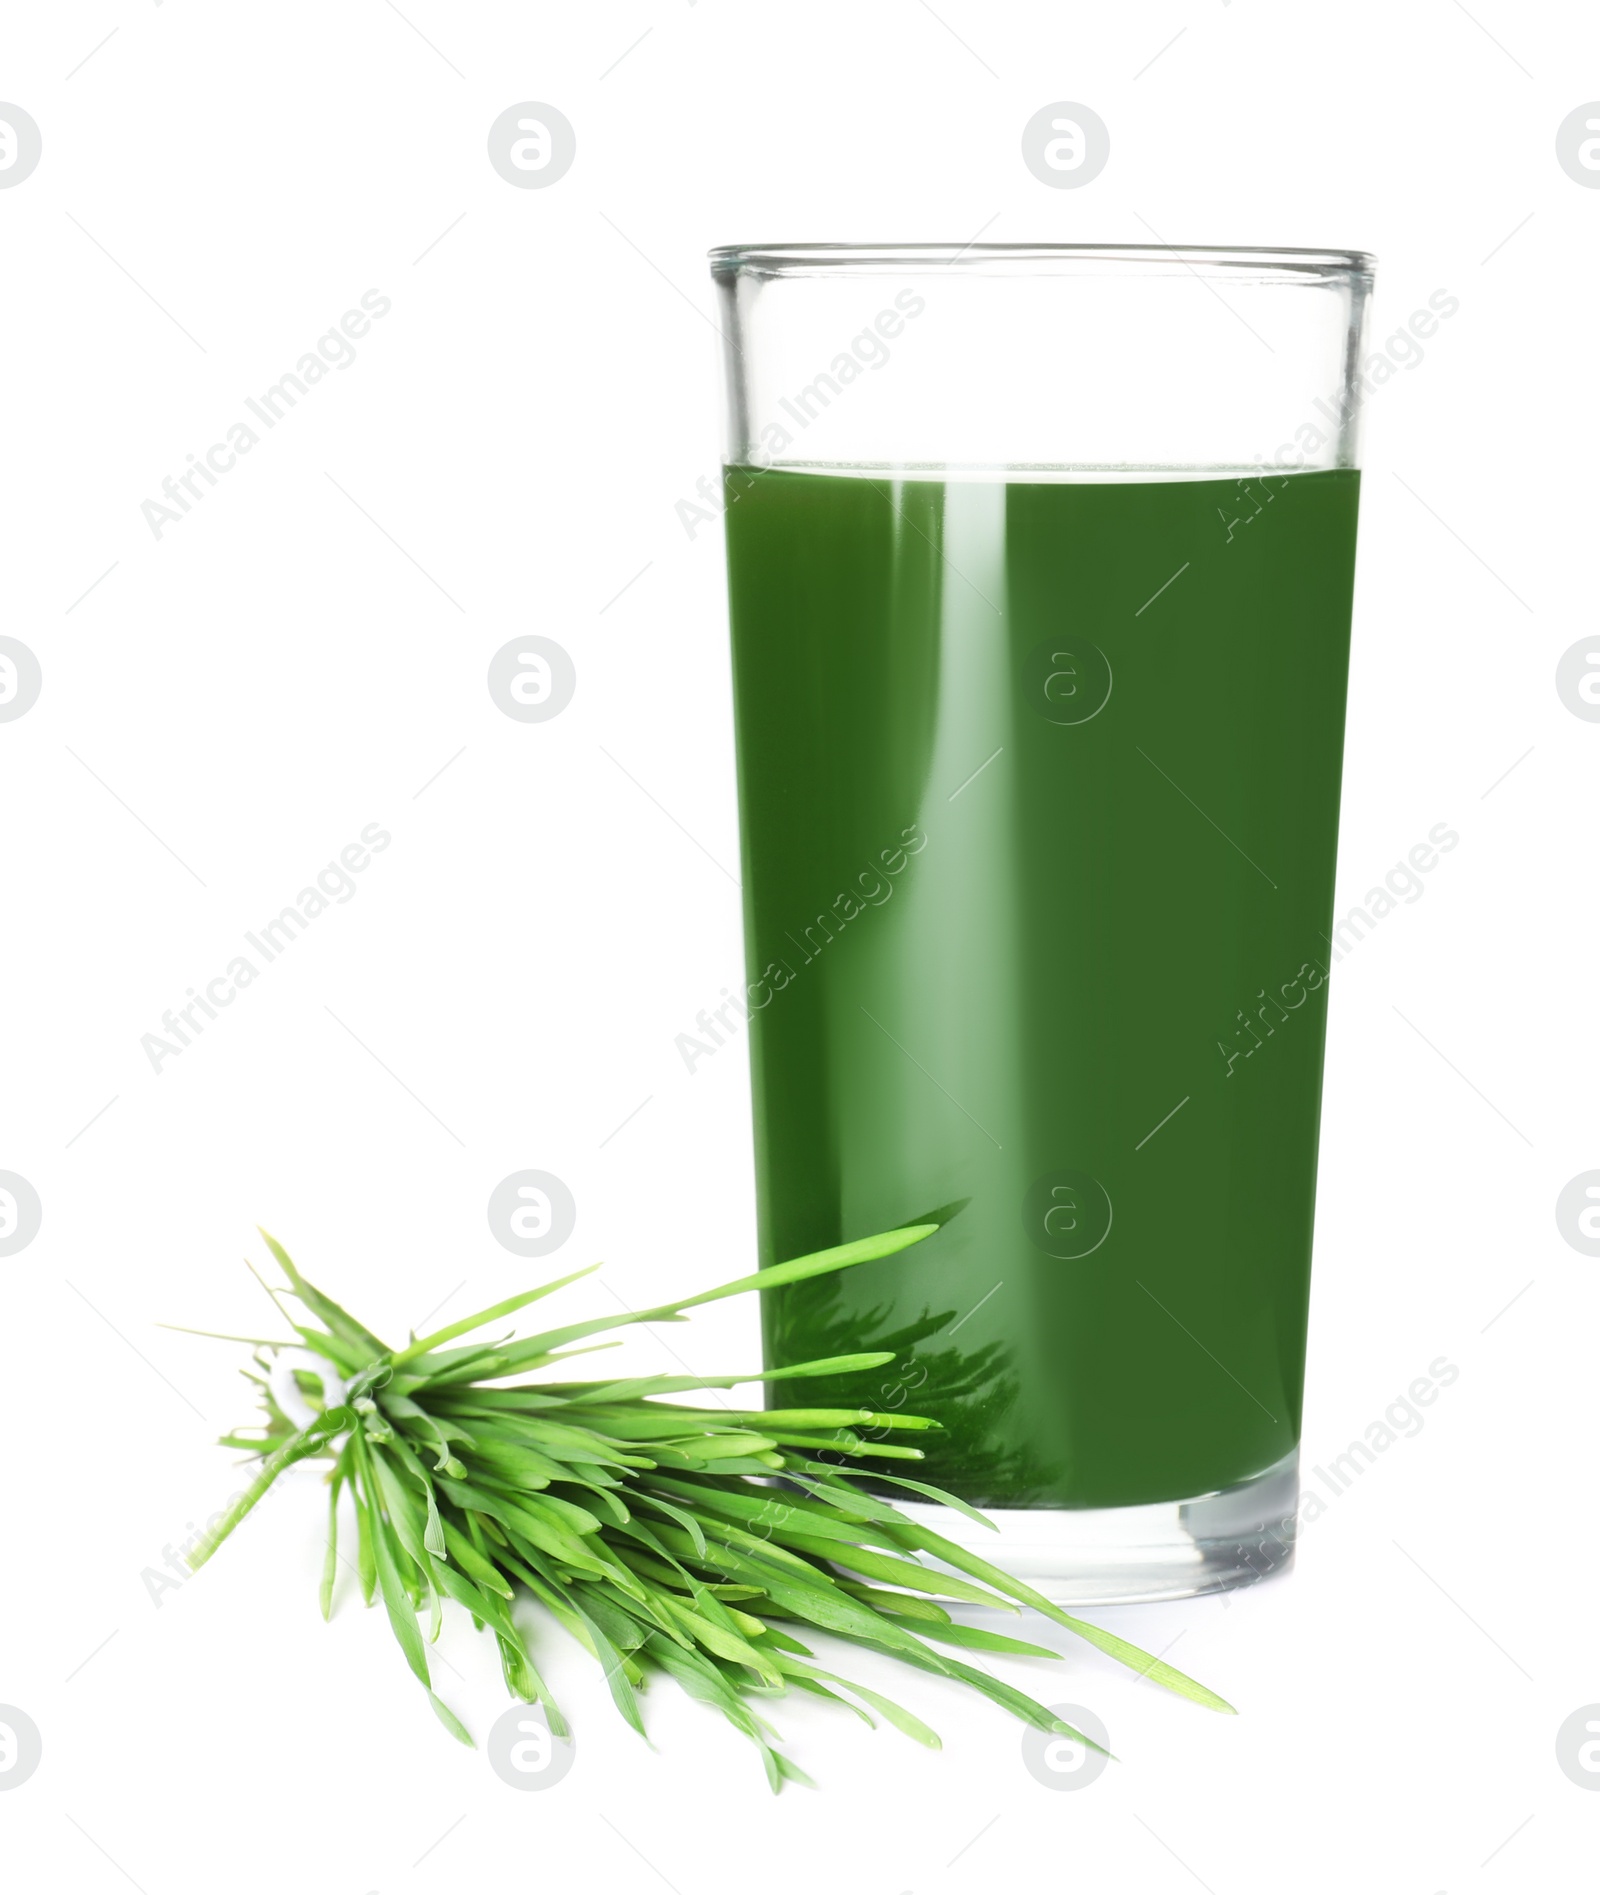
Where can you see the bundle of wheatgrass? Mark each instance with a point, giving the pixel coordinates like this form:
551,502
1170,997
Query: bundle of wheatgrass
665,1538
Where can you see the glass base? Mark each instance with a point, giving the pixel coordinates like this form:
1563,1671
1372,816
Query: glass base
1176,1549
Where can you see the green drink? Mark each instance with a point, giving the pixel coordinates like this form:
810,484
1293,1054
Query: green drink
1033,853
1040,643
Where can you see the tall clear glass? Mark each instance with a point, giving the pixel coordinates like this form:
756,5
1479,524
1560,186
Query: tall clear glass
1040,569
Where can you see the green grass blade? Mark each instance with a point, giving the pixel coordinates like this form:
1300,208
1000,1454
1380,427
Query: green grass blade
330,1558
397,1601
819,1263
617,1682
897,1714
323,1307
642,1386
1121,1649
899,1605
930,1493
472,1562
310,1440
1155,1669
974,1638
896,1572
366,1558
450,1721
467,1324
841,1257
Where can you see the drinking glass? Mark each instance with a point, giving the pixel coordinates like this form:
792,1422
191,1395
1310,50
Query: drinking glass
1040,562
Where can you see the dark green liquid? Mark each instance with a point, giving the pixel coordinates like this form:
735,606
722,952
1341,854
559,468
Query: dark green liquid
993,990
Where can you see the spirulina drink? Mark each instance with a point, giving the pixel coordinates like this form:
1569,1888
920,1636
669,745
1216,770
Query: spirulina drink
1039,785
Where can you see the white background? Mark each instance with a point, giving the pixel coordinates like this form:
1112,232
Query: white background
229,705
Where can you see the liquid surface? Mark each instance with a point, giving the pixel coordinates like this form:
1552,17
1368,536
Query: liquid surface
1039,790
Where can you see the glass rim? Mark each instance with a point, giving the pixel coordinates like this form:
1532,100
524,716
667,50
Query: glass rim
805,259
